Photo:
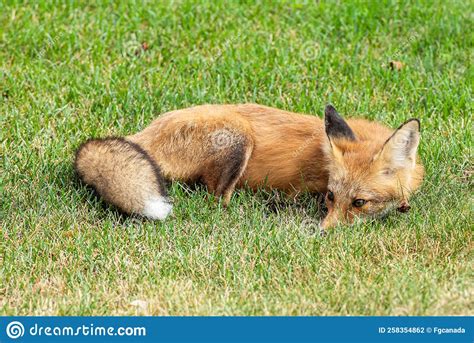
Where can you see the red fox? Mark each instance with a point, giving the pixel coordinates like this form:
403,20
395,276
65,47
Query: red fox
364,168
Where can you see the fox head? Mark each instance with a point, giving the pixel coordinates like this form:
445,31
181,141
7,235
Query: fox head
371,169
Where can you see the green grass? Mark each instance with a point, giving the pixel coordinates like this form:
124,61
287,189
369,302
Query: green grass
70,72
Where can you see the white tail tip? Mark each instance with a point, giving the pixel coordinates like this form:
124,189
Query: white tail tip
157,208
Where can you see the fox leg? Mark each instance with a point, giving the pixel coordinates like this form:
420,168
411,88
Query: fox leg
224,173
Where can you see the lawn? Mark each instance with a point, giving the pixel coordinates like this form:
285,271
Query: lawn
73,71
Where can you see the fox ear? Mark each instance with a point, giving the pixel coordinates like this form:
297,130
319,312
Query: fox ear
399,151
336,127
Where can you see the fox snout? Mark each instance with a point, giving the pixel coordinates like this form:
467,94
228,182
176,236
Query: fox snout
337,216
331,220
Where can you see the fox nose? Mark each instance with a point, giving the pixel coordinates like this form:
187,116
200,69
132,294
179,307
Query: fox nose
328,222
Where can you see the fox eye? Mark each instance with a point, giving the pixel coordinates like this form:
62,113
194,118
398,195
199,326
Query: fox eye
330,196
359,202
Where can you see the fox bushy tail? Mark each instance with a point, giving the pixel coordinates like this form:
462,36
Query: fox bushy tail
124,175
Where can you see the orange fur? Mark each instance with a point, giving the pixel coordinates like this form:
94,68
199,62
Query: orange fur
228,146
